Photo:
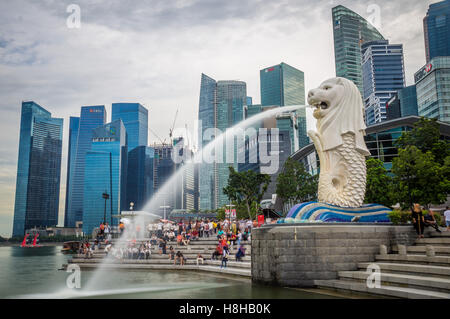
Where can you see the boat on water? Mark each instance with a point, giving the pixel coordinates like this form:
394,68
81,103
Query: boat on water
71,247
34,244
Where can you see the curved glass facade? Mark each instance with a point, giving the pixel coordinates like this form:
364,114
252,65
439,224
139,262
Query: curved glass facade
38,169
350,30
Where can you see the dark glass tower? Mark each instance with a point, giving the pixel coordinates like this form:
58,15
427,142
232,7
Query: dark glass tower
38,169
105,172
207,120
284,85
350,30
135,118
383,75
91,117
72,152
140,176
436,27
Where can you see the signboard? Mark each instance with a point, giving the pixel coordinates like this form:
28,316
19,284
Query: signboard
231,214
260,220
423,72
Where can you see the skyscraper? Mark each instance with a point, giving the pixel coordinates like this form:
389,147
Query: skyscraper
140,176
350,30
38,169
402,104
221,106
74,127
105,172
436,27
91,117
433,89
383,75
284,85
207,121
135,118
230,104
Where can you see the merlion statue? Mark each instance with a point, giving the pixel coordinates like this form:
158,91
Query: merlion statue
339,142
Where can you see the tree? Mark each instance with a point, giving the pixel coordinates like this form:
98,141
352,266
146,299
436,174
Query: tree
426,137
246,188
419,178
378,183
294,183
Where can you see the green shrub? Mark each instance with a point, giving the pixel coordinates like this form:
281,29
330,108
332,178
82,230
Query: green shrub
400,216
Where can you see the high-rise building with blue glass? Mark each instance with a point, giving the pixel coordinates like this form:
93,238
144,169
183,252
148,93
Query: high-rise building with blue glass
221,106
230,104
135,118
105,172
383,75
433,89
74,127
91,117
140,176
350,30
402,104
38,169
207,121
284,85
436,27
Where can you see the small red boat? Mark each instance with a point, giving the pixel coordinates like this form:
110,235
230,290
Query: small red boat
33,245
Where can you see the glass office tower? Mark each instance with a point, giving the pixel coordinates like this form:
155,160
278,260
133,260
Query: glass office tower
74,127
135,118
402,104
230,104
105,172
436,27
433,89
284,85
38,169
91,117
207,120
350,30
222,105
383,75
140,180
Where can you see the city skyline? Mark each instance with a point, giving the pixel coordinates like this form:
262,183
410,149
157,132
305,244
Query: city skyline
77,74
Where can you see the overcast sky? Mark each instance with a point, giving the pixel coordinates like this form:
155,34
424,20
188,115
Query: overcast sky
153,52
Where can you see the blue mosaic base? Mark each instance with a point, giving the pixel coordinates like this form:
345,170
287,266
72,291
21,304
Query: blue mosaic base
320,212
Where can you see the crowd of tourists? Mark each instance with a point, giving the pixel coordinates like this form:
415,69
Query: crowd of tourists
230,236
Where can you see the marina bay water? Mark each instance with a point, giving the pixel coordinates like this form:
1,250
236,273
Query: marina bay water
33,273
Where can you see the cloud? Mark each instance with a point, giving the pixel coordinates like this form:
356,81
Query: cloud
154,51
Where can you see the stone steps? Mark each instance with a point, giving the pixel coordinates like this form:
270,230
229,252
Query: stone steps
415,259
402,280
158,256
412,275
412,269
436,240
142,266
440,250
391,291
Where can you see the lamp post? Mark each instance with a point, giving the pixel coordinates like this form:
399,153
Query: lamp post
164,207
105,195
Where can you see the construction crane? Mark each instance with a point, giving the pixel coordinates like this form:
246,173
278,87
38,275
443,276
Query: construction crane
173,126
162,142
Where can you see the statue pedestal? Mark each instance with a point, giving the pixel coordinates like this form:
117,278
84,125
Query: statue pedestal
315,211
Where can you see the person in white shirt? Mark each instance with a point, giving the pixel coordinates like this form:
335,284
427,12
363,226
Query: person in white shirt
447,217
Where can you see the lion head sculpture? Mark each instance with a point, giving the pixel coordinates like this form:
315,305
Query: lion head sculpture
339,110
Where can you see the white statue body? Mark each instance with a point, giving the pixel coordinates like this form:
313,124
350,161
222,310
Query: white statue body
339,142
